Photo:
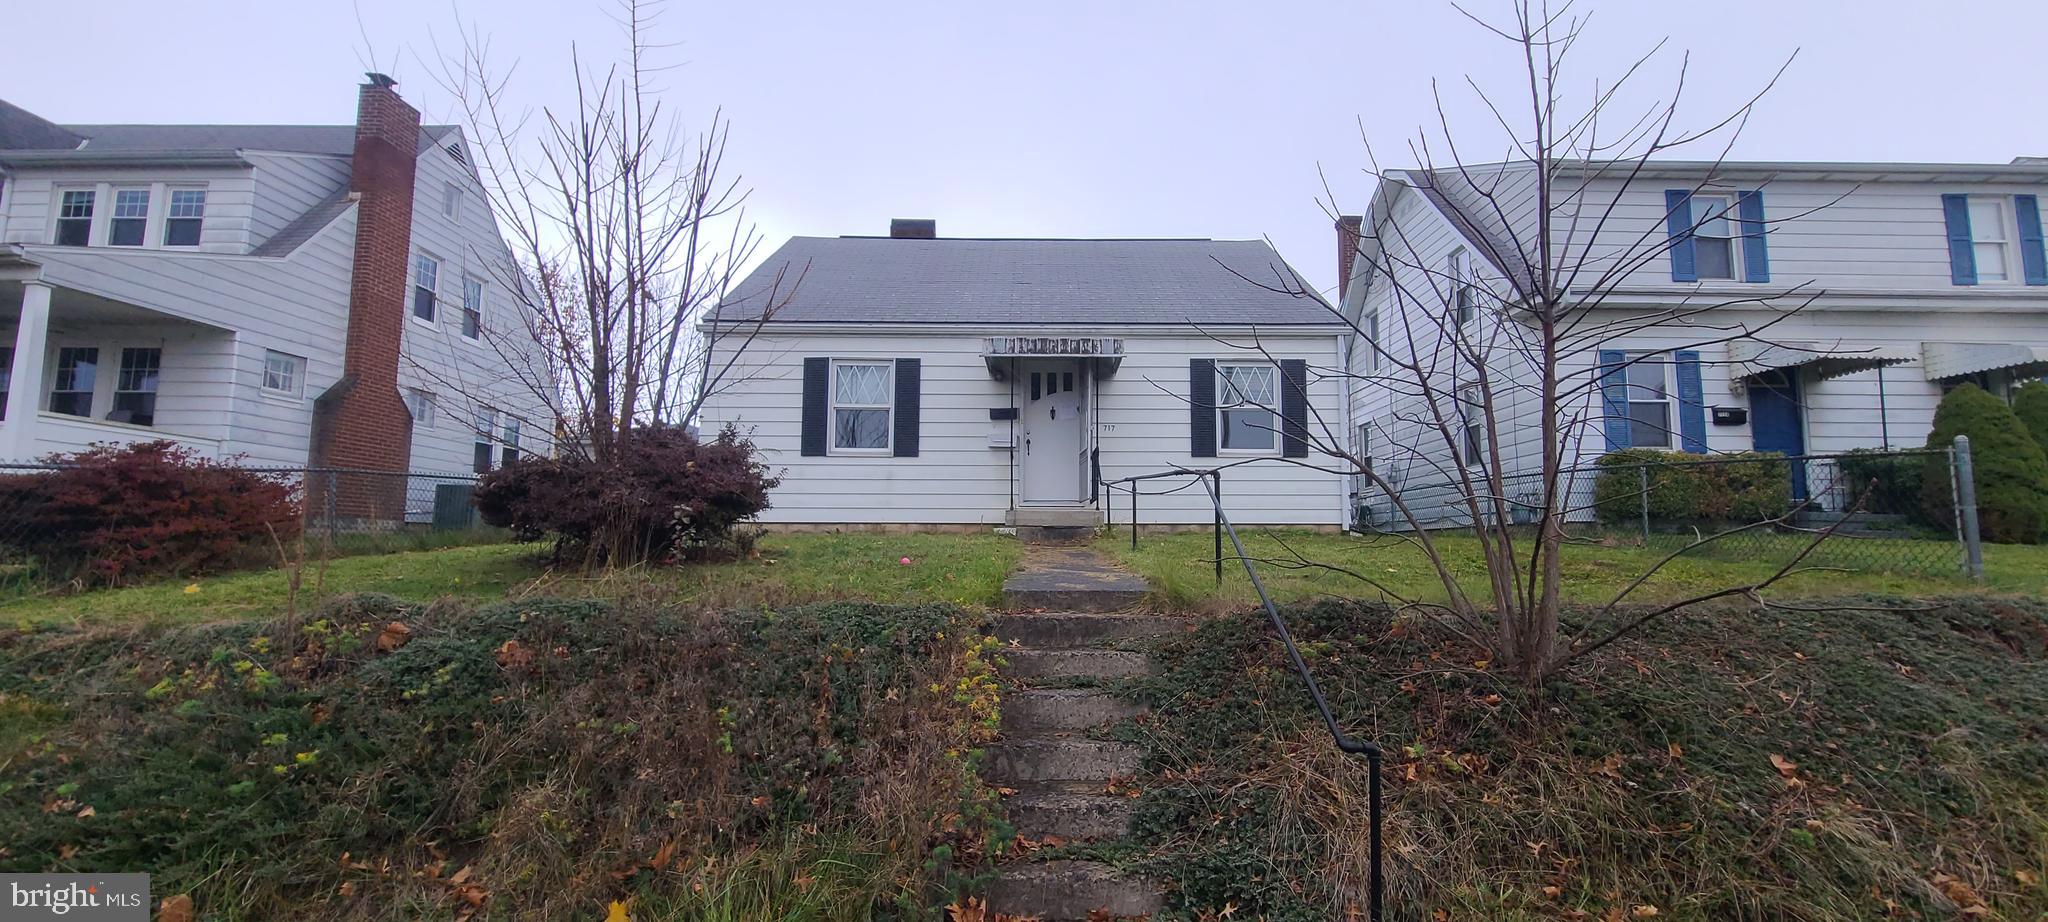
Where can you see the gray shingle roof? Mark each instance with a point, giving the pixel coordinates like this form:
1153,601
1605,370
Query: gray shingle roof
337,140
22,129
302,229
957,280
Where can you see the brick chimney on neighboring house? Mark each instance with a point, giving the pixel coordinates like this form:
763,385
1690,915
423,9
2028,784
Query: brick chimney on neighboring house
1349,227
362,422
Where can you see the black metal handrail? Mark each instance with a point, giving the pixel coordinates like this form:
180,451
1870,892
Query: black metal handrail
1130,484
1211,481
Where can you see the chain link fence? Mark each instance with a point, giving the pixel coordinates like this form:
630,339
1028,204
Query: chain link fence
345,512
1877,511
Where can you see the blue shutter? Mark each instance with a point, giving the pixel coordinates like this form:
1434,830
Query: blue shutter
1962,261
1692,403
2033,256
1678,222
1756,253
1614,397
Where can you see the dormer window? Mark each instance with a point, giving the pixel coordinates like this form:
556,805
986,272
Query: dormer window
131,218
186,215
74,218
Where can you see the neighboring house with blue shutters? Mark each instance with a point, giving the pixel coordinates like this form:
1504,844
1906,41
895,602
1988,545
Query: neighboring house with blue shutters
1868,289
924,382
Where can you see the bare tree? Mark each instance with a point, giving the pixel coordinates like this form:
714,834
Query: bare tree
625,232
1493,367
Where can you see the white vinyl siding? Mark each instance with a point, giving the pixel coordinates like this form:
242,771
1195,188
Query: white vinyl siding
957,476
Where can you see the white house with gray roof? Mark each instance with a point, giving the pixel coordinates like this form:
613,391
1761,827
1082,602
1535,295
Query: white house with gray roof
279,294
922,381
1919,277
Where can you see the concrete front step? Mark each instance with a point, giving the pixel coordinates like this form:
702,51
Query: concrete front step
1059,891
1071,579
1072,811
1053,709
1050,629
1025,663
1035,759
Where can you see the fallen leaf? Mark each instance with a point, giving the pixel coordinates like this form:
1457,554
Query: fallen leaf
192,589
1676,751
347,889
1553,891
2026,877
972,910
393,636
617,913
514,655
1786,767
87,811
460,877
1644,912
175,908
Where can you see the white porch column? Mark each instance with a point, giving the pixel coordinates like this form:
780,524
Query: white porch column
25,383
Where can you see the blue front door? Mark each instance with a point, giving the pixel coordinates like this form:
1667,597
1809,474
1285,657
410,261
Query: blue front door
1774,423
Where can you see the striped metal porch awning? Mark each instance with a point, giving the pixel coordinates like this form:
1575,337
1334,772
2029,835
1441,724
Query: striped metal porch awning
1829,360
1105,353
1954,360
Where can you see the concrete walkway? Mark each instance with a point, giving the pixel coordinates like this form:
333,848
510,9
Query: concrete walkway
1066,642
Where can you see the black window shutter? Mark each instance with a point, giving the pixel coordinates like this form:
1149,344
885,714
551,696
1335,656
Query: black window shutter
817,375
1293,408
909,384
1202,408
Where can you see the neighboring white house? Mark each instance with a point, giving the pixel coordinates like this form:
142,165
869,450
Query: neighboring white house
281,294
923,381
1920,276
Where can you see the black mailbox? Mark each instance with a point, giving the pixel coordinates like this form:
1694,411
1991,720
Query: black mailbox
1002,413
1731,416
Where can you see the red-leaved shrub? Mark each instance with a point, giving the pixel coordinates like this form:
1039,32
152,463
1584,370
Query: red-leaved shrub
666,493
115,514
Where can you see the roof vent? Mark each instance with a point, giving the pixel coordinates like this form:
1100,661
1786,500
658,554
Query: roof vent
455,151
383,80
914,228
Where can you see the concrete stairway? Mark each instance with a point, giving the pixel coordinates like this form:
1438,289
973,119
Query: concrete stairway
1061,776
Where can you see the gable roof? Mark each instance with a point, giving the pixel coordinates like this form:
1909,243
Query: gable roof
1034,281
22,130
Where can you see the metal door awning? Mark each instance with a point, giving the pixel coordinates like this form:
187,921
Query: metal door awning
1104,352
1829,360
1954,360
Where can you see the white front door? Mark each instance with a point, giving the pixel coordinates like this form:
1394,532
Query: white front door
1054,460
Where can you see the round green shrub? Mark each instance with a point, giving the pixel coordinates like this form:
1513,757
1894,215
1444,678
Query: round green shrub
2011,468
2030,404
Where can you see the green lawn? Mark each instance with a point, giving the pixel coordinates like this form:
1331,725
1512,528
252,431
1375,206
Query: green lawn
790,569
1179,567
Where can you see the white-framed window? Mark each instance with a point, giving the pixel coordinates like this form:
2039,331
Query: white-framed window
1991,238
508,449
451,201
185,217
284,374
1714,253
1246,397
1472,410
472,307
1361,447
1649,389
420,404
426,281
78,370
135,386
74,217
129,226
1458,272
1372,339
863,403
485,427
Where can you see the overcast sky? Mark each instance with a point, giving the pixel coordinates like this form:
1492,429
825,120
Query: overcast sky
1074,119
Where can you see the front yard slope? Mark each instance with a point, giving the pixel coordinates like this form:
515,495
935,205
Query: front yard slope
1853,759
534,759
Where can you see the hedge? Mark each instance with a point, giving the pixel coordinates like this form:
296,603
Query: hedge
2011,468
1744,487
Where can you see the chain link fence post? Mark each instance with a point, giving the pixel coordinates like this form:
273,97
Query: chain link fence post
1643,498
1964,475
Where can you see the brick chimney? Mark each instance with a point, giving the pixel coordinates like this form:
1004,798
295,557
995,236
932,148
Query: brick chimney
361,421
914,228
1349,227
